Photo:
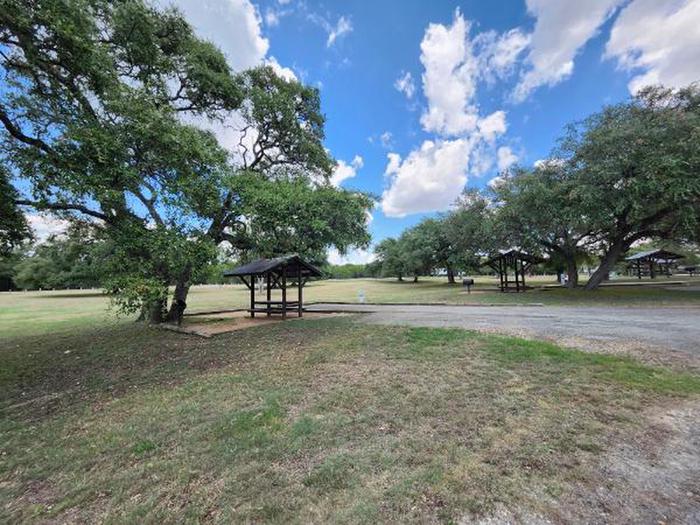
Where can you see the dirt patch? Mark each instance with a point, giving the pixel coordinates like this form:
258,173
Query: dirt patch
208,325
650,477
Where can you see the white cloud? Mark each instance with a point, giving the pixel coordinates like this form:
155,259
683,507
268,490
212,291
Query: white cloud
44,225
561,29
496,181
355,256
281,71
548,163
233,25
344,171
386,139
499,53
492,126
405,84
506,158
272,17
274,14
342,27
449,80
659,40
429,179
432,177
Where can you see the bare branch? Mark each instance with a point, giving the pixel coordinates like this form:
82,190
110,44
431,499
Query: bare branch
58,206
150,206
17,133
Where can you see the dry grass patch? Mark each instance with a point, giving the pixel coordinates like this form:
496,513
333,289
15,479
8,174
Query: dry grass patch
315,421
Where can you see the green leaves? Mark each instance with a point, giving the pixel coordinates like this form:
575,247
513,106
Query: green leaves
293,215
13,225
100,116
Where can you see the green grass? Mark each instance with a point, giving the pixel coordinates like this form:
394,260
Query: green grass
310,421
33,313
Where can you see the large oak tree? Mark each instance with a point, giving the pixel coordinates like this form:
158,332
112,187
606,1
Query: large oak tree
98,112
636,168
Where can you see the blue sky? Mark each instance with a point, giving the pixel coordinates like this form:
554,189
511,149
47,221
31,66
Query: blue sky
424,98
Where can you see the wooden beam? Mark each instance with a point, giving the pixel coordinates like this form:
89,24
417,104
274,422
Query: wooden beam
284,292
252,296
269,292
299,289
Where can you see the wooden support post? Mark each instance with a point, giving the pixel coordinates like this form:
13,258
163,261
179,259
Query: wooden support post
639,269
300,284
252,296
500,273
284,292
652,274
269,292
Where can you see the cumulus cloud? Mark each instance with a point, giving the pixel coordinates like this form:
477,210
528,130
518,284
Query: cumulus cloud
344,171
405,84
355,256
44,225
498,53
506,158
281,71
429,179
492,126
449,80
658,40
233,25
561,29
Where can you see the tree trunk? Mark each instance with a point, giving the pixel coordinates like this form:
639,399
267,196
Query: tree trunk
400,277
179,303
415,278
156,311
450,275
607,263
571,272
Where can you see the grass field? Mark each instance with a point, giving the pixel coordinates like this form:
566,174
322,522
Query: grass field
106,420
43,312
325,420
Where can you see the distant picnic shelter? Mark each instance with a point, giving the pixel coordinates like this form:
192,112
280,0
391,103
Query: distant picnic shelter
280,273
515,262
653,262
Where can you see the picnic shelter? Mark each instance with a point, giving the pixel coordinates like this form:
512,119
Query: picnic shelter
512,262
280,273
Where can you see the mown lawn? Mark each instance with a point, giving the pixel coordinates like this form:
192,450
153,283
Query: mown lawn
308,421
60,311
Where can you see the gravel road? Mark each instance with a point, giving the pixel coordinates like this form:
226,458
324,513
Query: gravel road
676,329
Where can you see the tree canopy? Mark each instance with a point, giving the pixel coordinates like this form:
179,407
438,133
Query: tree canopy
105,115
13,224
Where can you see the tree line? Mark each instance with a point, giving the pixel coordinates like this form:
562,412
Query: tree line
626,175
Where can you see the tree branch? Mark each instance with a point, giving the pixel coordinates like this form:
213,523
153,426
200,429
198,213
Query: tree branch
57,206
150,206
17,133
